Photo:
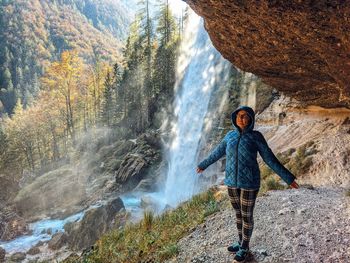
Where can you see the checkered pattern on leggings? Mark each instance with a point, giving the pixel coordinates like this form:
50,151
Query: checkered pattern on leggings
243,201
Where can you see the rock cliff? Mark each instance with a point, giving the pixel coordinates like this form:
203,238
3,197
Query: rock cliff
300,47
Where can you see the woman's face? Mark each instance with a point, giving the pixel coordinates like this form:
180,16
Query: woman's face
242,119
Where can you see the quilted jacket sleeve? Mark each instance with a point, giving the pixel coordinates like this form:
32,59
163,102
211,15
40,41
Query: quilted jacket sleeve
271,160
215,155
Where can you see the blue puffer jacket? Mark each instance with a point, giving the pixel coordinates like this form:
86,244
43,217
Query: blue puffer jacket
242,169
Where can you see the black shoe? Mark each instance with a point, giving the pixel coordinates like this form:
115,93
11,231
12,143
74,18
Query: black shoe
234,247
241,255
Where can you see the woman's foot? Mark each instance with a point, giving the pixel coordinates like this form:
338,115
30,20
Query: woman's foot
241,255
234,247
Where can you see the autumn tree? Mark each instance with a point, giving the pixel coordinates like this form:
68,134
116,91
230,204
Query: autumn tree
62,79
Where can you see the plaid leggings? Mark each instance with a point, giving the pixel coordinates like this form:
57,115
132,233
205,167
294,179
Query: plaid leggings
243,201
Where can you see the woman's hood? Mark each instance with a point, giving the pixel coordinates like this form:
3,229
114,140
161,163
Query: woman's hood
251,114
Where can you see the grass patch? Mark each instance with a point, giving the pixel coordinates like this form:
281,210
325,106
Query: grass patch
155,238
271,183
347,193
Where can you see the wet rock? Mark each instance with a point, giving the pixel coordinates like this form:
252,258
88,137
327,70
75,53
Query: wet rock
13,227
132,167
33,251
58,240
39,244
123,148
135,164
145,185
2,254
94,223
18,257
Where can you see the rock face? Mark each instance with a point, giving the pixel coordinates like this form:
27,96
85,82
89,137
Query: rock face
286,126
11,225
299,47
289,226
136,163
58,240
94,223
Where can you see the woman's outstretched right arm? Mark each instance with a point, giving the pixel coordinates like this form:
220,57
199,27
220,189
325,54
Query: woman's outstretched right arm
216,154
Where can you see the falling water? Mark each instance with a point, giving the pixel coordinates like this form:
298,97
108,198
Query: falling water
200,69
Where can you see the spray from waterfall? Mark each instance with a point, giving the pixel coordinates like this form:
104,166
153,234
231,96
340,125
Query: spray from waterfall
200,68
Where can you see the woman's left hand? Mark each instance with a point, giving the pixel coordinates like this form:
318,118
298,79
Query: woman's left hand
294,185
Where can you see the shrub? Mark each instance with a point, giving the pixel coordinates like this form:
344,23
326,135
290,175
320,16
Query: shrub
169,251
273,184
148,220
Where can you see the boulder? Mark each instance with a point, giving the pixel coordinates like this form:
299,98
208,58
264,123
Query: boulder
58,240
55,190
18,257
95,222
33,251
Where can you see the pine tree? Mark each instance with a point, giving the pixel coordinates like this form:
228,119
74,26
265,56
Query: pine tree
107,113
165,57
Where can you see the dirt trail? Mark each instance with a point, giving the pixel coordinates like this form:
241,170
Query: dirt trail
304,226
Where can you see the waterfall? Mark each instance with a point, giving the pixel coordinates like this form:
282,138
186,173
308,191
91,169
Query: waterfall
200,68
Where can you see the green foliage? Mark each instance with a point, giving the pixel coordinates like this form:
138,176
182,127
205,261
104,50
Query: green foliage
148,77
212,207
169,251
296,160
107,107
76,96
302,160
33,33
273,184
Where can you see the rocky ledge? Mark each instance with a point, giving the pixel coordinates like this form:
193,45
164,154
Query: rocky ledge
304,225
300,47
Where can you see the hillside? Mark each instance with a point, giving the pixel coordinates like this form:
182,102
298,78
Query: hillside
33,33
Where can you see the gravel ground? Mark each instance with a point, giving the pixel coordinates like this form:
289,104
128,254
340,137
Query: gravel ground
303,225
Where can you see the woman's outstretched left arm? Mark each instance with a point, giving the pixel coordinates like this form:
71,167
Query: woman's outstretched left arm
271,160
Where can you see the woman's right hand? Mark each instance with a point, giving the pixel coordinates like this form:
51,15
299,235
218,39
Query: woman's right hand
199,170
294,185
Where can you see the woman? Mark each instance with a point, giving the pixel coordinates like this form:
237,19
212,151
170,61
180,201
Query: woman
242,172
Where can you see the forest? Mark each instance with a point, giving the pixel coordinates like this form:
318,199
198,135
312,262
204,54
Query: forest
75,95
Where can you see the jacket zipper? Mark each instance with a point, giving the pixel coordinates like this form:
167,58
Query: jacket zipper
239,138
